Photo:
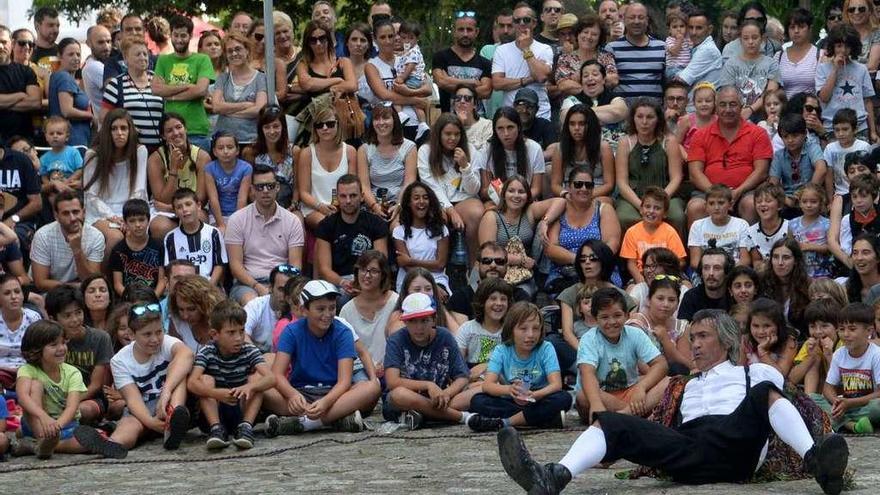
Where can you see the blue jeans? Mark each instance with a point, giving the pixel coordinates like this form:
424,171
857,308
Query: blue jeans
539,413
203,142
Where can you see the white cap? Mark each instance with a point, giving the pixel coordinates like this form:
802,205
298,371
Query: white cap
417,305
317,289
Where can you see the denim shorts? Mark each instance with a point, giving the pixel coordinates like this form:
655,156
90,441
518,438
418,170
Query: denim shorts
66,430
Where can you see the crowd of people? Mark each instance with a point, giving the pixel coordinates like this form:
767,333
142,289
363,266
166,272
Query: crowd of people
194,239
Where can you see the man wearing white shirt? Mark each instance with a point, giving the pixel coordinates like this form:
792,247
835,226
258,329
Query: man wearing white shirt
727,413
523,62
263,311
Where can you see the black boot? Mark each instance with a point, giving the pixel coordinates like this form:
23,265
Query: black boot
826,461
519,465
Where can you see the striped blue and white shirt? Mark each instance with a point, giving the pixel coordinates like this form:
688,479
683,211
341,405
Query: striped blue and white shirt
640,67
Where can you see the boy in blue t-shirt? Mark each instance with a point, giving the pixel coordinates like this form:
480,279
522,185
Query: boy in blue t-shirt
319,352
424,370
61,168
608,358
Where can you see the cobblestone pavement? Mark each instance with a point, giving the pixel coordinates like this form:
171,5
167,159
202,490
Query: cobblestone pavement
436,460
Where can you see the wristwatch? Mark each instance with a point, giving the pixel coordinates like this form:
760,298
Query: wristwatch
527,54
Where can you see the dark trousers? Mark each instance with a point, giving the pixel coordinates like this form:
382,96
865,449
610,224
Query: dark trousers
709,449
539,413
565,353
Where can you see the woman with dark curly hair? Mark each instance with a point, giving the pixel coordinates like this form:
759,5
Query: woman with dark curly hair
787,283
190,304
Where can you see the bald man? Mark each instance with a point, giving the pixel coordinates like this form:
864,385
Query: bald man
100,43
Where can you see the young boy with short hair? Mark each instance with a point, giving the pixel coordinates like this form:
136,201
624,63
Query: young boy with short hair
650,232
851,391
608,362
150,374
194,240
424,370
61,167
137,259
799,161
313,369
88,350
812,360
770,227
844,124
863,217
229,376
727,231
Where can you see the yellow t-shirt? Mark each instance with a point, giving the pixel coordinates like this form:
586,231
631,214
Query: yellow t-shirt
55,393
804,352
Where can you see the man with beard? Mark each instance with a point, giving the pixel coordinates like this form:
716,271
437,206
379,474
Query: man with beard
66,250
538,129
610,15
345,235
325,16
714,266
100,43
640,58
492,262
460,65
263,312
19,92
502,32
47,26
724,419
182,79
551,12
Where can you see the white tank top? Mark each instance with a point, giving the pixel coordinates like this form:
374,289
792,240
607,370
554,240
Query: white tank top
324,182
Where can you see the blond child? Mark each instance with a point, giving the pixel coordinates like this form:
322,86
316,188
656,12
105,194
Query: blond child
61,168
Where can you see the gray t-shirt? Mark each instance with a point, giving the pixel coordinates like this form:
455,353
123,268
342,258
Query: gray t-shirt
750,76
852,87
245,130
50,249
734,49
478,341
92,350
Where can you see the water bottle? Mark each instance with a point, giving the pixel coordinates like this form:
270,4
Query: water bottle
526,384
459,249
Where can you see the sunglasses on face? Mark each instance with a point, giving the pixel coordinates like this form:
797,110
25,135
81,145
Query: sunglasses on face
498,261
463,98
330,124
25,43
582,184
835,17
811,108
288,269
522,20
142,309
756,19
259,36
860,9
465,13
314,40
265,186
552,10
592,258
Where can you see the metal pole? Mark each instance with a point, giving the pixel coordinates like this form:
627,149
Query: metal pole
269,56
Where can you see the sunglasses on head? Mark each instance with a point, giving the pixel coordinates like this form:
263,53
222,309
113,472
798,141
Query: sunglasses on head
861,9
465,13
582,184
329,124
288,269
592,258
663,276
266,186
498,261
522,20
142,309
25,43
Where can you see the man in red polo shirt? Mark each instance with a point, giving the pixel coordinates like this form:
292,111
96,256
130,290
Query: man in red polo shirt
731,151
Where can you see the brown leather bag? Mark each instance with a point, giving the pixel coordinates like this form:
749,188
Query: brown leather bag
351,116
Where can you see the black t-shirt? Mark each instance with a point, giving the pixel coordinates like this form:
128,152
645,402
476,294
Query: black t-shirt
476,68
15,78
543,132
460,302
554,44
18,177
138,266
350,240
44,53
696,299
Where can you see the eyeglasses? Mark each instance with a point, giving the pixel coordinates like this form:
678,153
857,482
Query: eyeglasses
552,10
592,258
465,13
860,9
373,272
286,269
314,40
266,186
235,51
259,36
463,98
522,20
25,43
330,124
582,184
142,309
811,108
498,261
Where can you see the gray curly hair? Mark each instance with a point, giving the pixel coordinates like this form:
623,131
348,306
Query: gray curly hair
727,328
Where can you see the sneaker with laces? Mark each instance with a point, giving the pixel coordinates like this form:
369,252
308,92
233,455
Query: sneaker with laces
176,426
45,447
480,423
282,425
92,440
244,436
217,438
411,420
353,423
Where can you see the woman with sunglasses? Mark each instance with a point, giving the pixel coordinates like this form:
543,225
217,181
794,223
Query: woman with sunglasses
860,14
478,129
240,92
648,156
22,50
581,144
257,35
808,106
190,304
591,35
512,153
585,218
320,165
386,163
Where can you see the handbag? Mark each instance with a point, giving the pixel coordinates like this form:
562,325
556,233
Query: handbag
517,274
351,116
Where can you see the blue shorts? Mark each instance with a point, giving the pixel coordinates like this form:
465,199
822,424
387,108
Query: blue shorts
230,417
66,430
413,82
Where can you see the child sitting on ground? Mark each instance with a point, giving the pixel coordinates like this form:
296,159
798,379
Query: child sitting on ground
851,393
523,384
229,376
608,362
812,360
768,338
410,65
138,258
651,232
478,337
61,168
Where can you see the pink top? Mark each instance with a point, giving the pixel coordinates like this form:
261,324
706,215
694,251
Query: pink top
684,54
279,327
265,242
798,77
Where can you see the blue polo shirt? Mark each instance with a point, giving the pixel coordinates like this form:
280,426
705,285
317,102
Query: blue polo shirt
783,166
314,361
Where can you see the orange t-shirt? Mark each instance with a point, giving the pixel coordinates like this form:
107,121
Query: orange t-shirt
637,240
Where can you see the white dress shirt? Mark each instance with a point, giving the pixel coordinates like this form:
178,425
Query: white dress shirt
721,389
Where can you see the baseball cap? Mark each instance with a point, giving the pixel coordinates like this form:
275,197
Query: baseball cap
526,95
317,289
417,305
567,21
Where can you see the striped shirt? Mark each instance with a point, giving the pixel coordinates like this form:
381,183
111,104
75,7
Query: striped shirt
145,108
228,371
204,248
640,67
